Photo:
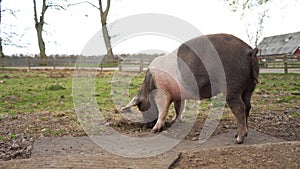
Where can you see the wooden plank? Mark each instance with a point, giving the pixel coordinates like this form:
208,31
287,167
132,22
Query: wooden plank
267,155
90,161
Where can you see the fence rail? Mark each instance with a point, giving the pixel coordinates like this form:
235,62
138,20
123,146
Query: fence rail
280,62
139,63
130,63
35,61
135,64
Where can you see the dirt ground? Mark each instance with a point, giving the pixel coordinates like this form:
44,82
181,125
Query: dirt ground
276,123
285,155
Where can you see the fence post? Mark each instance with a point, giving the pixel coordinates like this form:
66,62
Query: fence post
285,64
266,62
54,62
119,65
29,64
2,61
141,64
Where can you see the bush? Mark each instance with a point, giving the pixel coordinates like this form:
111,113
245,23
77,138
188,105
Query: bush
56,87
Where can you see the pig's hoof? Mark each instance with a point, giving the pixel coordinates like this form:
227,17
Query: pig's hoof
236,135
176,120
156,129
239,140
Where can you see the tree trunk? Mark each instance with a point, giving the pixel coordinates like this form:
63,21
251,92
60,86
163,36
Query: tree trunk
103,16
43,56
110,55
1,54
1,51
39,30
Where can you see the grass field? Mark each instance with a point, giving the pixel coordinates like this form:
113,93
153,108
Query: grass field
39,104
40,91
50,92
281,90
33,92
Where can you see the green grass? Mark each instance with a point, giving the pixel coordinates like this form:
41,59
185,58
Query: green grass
278,90
276,83
115,64
104,65
103,93
34,92
13,136
294,114
3,138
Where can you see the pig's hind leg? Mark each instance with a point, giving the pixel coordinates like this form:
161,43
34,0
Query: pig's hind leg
179,107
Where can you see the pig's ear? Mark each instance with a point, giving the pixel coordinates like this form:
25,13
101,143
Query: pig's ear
133,102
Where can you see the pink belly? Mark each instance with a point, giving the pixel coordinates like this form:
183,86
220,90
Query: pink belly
171,85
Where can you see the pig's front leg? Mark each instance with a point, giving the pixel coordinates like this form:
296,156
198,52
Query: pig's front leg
163,102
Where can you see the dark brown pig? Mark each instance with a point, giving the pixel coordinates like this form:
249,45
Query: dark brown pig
199,69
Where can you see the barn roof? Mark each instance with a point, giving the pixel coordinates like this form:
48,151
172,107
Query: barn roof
280,44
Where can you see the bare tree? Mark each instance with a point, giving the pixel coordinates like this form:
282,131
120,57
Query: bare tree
237,5
6,40
39,26
8,36
254,26
103,16
103,20
260,9
256,32
1,51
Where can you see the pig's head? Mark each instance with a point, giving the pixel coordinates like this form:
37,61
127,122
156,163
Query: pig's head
144,99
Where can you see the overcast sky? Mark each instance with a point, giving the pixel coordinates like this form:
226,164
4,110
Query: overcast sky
67,32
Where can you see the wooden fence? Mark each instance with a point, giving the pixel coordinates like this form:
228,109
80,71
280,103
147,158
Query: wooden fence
135,64
131,63
280,62
140,63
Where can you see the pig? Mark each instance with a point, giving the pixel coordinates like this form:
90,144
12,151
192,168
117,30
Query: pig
200,69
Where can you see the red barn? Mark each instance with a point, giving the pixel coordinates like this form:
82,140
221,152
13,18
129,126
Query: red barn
285,44
297,52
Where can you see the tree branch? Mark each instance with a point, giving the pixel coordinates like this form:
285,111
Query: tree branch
11,12
100,7
104,13
58,7
44,8
245,4
87,2
107,7
35,13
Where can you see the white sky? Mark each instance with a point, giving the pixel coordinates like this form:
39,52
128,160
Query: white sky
68,31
